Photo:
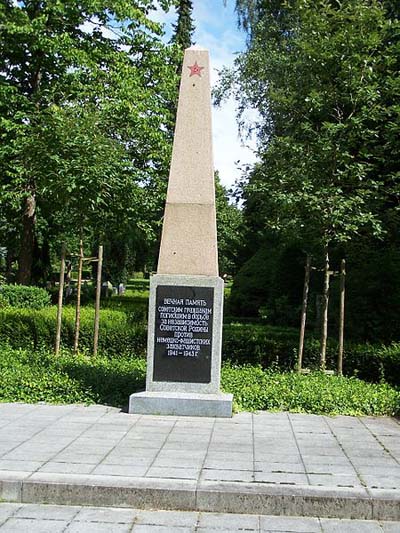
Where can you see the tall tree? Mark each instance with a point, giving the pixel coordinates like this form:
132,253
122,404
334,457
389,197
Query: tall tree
323,76
85,92
184,27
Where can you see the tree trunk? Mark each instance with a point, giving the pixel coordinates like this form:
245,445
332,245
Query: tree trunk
324,312
341,319
25,258
10,258
304,313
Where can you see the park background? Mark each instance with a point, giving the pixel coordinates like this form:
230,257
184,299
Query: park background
88,100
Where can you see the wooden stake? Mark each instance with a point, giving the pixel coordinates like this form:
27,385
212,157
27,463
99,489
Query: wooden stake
341,319
97,305
325,302
60,300
78,298
304,312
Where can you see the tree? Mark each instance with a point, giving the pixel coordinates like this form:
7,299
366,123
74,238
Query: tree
322,75
85,92
229,229
184,28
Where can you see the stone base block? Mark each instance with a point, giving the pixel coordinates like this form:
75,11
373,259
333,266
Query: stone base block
181,404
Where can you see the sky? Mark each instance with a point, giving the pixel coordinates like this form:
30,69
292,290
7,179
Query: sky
216,30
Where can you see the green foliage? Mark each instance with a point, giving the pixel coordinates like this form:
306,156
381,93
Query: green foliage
313,69
110,379
28,376
269,285
229,230
323,77
184,28
23,297
119,333
257,389
33,376
277,347
372,293
85,91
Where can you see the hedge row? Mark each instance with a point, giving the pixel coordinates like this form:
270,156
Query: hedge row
270,347
278,347
24,328
22,296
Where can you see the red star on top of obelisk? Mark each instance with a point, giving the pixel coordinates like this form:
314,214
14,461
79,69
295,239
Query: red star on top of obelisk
195,70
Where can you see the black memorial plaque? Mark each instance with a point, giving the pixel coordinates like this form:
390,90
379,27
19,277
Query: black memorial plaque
183,334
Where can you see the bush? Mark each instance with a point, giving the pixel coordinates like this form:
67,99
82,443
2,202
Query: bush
273,346
124,333
25,328
22,296
33,376
28,376
257,389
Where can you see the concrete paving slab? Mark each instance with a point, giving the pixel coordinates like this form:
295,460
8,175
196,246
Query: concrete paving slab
350,526
17,525
105,514
46,512
273,523
167,518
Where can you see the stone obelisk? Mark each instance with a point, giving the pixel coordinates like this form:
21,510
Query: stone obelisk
186,294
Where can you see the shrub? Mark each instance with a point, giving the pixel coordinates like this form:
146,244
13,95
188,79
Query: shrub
124,333
27,328
22,296
277,347
31,377
257,389
28,376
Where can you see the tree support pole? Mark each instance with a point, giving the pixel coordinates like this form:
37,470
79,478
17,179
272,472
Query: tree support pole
341,319
97,305
60,300
78,298
304,313
325,302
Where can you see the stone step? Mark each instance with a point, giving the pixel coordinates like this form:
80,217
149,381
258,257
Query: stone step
189,495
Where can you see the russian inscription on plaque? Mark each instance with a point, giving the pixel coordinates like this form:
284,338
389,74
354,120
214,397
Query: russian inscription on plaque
183,334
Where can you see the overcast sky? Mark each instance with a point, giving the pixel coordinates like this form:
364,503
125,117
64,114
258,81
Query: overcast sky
216,30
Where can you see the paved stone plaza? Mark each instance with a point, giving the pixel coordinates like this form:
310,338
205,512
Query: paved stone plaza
73,519
266,463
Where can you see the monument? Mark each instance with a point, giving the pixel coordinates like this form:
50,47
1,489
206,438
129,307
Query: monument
186,294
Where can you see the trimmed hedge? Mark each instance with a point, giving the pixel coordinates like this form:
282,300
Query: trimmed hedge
125,333
119,335
22,296
276,347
